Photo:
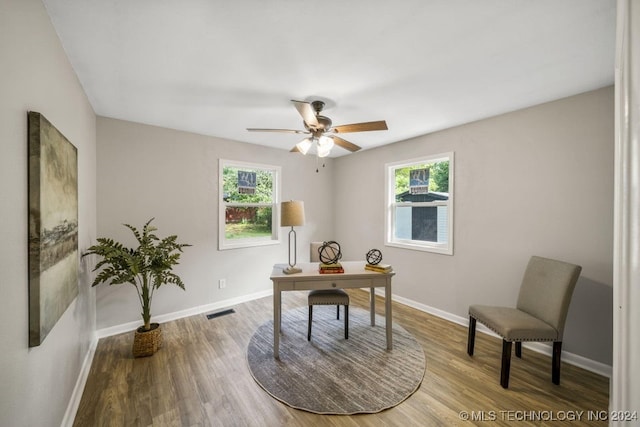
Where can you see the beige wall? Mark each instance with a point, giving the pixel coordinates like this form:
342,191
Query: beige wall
535,181
146,171
36,384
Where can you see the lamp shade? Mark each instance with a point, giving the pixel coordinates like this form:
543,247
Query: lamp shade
292,213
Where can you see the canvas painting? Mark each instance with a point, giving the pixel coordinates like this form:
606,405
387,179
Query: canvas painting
53,226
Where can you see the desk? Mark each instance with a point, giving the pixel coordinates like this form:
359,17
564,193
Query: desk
354,276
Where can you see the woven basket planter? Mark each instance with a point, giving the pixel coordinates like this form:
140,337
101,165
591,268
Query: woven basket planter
146,343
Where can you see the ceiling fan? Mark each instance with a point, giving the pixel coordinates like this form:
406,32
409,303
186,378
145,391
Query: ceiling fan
321,130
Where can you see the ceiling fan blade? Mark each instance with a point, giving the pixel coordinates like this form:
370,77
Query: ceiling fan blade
361,127
306,111
294,149
276,130
344,143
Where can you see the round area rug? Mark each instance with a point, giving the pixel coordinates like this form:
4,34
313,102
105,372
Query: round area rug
331,375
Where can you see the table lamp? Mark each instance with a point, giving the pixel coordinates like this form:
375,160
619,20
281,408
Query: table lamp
292,215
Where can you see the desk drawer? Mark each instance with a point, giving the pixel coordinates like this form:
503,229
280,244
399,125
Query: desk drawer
331,284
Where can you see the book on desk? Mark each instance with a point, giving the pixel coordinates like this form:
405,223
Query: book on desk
335,268
380,268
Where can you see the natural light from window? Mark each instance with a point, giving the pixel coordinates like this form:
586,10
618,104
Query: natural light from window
248,204
419,212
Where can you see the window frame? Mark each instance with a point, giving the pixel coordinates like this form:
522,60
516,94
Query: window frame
247,242
391,205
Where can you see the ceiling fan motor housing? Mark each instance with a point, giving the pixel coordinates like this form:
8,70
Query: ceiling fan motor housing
324,124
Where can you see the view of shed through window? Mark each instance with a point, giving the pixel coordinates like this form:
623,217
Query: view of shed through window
420,204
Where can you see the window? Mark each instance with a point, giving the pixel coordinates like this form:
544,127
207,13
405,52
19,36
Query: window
248,204
419,212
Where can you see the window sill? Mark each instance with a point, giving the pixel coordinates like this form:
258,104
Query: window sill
223,246
439,249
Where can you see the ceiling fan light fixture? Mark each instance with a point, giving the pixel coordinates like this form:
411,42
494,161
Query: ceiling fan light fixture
304,145
325,144
324,150
325,141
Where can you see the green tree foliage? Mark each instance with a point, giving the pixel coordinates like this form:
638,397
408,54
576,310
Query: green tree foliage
257,221
438,177
402,180
264,186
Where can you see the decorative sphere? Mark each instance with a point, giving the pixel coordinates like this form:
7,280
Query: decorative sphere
330,252
374,256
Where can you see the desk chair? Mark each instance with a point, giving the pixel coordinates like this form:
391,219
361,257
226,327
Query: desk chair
540,313
335,297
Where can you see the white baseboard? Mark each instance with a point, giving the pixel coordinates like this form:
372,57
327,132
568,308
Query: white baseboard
132,326
570,358
78,389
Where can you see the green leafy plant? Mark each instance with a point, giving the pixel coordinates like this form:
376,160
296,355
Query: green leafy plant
146,267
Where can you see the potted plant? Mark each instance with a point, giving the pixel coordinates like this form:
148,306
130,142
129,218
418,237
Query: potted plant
146,267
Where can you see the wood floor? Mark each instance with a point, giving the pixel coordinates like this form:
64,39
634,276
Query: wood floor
200,378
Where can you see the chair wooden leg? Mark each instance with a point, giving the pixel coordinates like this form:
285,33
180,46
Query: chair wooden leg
471,338
555,363
506,363
519,349
310,319
338,310
346,322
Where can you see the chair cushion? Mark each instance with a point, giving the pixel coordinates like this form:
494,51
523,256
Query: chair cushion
513,324
328,297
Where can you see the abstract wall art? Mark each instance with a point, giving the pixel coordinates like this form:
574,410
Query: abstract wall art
53,226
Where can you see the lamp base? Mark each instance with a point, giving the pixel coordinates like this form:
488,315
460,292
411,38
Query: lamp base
292,270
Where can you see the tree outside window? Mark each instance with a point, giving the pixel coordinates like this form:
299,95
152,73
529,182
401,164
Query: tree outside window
420,204
248,200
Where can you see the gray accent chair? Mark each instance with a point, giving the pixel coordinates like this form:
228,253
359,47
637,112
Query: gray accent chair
335,297
540,313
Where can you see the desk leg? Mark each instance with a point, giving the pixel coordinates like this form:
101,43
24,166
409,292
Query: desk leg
277,308
387,312
372,303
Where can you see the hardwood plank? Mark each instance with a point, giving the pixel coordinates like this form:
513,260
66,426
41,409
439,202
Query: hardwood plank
200,377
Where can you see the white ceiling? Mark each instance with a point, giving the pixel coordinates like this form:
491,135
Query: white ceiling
216,67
